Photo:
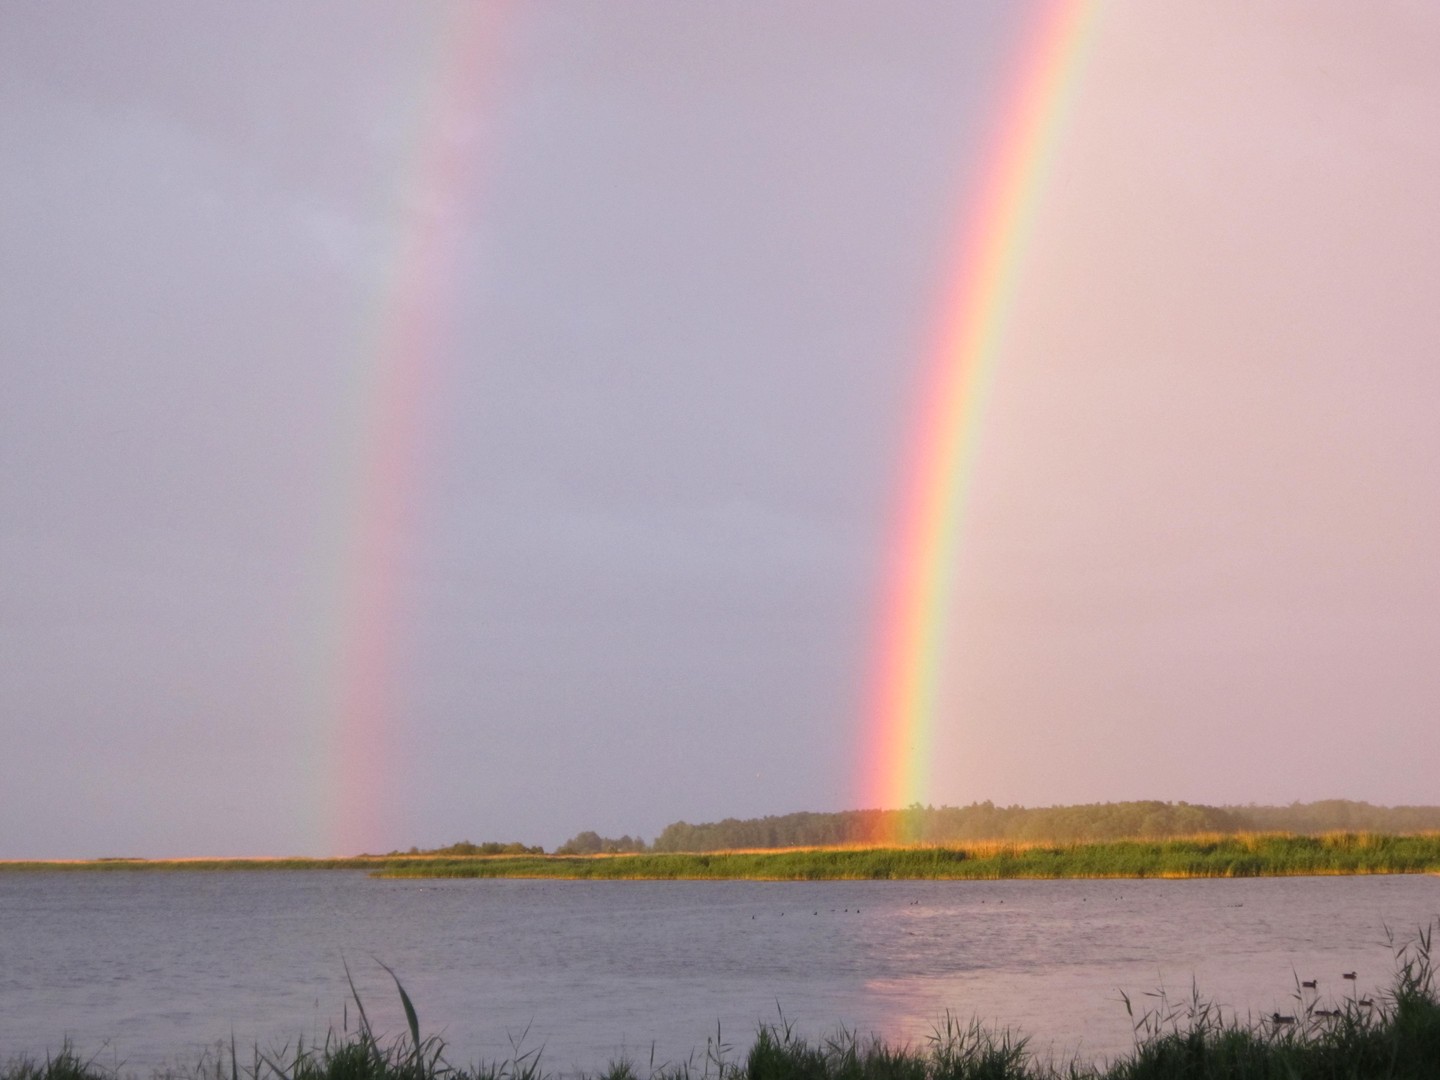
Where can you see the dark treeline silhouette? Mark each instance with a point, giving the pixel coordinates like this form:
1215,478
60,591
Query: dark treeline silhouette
592,843
1334,815
1059,824
465,847
980,822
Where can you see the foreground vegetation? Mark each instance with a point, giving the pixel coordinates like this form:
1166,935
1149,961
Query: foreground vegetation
1227,856
1395,1037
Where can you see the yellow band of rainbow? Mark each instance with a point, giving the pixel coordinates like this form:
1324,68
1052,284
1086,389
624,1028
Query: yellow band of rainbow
897,756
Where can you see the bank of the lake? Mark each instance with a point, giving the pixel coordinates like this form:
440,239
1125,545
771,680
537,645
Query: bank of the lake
1206,857
1258,855
204,865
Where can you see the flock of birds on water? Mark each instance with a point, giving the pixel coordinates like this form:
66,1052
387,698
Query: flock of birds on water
1280,1019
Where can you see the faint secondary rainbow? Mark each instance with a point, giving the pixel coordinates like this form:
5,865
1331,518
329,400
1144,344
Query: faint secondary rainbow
896,760
377,509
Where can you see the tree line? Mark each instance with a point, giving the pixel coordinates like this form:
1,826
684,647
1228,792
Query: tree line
984,821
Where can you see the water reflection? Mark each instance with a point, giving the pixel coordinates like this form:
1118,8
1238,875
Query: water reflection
155,966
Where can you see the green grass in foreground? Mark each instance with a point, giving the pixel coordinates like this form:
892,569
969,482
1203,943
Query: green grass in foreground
1398,1038
1228,856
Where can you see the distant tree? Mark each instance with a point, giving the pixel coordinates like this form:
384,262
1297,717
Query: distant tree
585,843
490,847
985,821
592,843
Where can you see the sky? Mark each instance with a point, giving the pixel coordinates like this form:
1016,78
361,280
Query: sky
434,421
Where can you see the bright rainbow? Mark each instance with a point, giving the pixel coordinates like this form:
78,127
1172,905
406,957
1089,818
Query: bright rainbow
902,715
378,503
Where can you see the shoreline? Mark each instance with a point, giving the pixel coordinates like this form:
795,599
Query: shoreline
1185,858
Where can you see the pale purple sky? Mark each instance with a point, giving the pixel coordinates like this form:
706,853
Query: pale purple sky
692,259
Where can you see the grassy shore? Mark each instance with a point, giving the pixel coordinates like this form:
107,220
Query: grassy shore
1258,855
356,862
1226,856
1395,1037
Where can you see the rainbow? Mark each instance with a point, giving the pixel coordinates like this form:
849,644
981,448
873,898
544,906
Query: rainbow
377,503
901,716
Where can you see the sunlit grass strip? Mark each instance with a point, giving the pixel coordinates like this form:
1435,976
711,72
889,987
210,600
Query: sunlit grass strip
1395,1037
1246,856
356,862
1209,855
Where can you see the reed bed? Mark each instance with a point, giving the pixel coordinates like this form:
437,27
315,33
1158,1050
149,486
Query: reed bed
1203,855
372,863
1215,856
1395,1037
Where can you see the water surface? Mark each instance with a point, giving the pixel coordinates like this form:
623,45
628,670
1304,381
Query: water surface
149,968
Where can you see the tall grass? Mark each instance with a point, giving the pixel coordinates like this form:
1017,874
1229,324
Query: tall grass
1204,856
1397,1037
117,865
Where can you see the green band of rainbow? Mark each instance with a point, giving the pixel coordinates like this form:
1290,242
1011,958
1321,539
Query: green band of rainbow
896,762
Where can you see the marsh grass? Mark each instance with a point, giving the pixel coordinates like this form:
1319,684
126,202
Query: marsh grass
1397,1037
1246,855
1200,855
123,865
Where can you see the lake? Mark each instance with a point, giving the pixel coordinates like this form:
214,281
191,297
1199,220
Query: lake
149,969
